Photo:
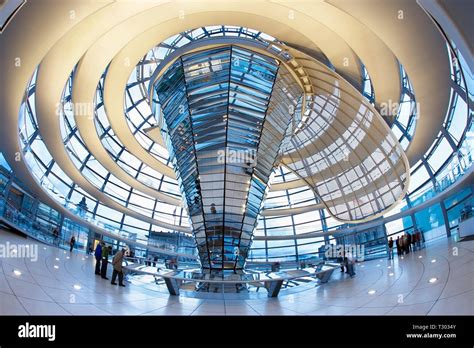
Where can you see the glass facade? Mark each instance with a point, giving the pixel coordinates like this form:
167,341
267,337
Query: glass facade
347,155
445,162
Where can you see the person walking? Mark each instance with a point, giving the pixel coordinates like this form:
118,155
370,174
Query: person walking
390,248
105,261
98,257
72,243
409,242
117,264
399,246
56,236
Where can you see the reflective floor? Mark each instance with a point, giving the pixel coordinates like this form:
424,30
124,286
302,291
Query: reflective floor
438,280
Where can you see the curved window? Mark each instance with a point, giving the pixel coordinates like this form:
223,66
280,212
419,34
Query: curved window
68,194
449,157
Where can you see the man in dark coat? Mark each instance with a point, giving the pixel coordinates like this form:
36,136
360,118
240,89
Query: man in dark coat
105,261
409,243
390,248
98,258
399,246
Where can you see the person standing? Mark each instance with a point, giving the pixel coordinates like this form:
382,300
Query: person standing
174,264
117,264
350,264
72,243
105,261
419,239
399,247
405,244
409,242
98,258
341,259
82,207
390,248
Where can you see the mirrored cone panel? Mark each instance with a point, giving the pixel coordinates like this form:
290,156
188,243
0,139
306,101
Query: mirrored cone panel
226,111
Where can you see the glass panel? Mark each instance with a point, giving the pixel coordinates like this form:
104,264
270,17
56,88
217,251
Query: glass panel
430,221
440,155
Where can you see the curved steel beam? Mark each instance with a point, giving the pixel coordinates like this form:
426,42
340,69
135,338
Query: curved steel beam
86,78
421,49
54,70
118,72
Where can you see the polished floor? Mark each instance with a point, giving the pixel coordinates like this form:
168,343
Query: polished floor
438,280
